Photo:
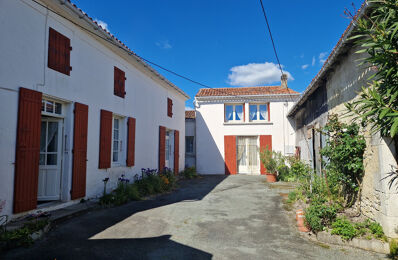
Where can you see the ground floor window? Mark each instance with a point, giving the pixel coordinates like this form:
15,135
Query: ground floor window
118,141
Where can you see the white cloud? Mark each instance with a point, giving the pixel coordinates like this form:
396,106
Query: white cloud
305,66
313,61
322,57
164,44
255,74
103,24
188,108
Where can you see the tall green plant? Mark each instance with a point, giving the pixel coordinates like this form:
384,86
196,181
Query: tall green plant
268,160
377,35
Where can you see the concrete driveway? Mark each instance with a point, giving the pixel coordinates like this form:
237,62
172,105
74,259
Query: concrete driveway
215,217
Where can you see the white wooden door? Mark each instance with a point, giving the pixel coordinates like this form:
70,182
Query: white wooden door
248,158
50,159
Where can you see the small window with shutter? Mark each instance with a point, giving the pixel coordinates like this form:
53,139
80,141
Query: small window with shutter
169,107
119,83
59,52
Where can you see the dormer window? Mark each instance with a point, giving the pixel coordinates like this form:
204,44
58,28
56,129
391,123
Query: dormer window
234,113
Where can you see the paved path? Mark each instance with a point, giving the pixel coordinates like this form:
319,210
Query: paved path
218,217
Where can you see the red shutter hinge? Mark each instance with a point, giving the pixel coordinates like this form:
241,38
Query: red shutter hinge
70,68
70,48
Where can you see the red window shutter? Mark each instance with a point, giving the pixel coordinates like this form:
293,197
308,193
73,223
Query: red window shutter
265,141
27,150
130,141
119,82
169,107
162,147
176,151
230,154
79,151
269,112
105,140
59,52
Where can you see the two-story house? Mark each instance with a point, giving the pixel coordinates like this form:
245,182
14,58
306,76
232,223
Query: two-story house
233,125
77,106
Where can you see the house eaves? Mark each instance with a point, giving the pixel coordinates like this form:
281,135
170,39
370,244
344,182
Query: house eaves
332,58
95,28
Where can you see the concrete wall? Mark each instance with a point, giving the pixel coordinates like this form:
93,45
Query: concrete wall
23,63
378,200
211,129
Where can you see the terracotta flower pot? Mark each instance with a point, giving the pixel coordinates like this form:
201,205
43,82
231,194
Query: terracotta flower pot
299,212
271,177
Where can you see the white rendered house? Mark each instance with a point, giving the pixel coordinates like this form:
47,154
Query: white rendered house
234,124
77,106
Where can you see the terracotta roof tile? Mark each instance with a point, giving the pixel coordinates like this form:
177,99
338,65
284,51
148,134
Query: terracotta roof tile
190,114
245,91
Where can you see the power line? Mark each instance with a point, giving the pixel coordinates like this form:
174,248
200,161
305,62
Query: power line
109,40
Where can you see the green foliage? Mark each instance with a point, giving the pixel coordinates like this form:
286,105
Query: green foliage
22,236
344,157
377,34
268,159
320,214
150,183
190,173
394,248
348,230
344,228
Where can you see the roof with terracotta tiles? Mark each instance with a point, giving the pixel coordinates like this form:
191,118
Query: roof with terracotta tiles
245,91
190,114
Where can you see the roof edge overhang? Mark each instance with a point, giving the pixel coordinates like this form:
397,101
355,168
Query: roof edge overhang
329,62
99,31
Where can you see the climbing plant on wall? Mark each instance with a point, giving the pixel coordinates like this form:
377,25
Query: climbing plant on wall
377,35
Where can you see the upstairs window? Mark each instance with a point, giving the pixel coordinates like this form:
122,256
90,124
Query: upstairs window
169,107
51,107
234,113
59,52
119,83
258,112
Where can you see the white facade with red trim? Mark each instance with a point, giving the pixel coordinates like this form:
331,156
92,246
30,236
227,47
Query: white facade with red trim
213,130
24,64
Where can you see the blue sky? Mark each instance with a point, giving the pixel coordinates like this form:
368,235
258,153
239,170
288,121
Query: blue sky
224,43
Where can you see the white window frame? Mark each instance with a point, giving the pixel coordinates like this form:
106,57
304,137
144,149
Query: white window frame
234,113
121,141
258,112
52,113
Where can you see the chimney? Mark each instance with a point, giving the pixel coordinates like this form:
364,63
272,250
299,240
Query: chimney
284,81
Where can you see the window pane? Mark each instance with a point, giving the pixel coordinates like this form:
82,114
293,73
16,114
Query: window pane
115,157
253,112
115,145
263,112
238,112
51,159
49,106
116,123
58,108
43,132
229,112
115,134
52,137
42,160
189,144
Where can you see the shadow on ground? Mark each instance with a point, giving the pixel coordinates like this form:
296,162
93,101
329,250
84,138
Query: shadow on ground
71,239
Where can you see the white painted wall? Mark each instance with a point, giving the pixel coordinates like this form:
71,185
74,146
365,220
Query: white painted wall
23,63
211,129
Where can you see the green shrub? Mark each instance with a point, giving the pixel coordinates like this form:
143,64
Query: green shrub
320,214
268,159
189,173
376,229
394,248
344,228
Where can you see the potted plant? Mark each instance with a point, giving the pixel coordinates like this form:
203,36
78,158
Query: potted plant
270,163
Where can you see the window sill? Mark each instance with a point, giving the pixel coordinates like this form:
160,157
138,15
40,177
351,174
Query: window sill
118,166
249,123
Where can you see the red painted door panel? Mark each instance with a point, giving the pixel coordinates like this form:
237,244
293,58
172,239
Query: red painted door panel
130,142
27,150
265,142
230,154
79,151
162,147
